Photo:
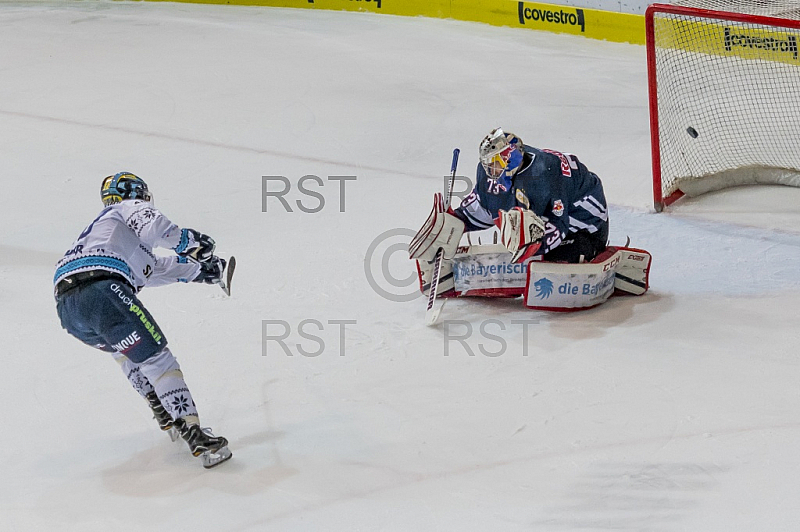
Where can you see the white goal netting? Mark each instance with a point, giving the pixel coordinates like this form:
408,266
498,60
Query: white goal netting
725,96
781,8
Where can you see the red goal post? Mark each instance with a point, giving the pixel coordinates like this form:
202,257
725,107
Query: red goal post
724,93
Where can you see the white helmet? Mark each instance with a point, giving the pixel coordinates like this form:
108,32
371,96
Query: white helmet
500,152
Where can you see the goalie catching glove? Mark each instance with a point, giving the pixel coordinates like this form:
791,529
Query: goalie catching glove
441,230
195,245
521,232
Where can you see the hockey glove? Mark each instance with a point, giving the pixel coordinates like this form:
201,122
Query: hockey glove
441,230
195,245
211,271
521,231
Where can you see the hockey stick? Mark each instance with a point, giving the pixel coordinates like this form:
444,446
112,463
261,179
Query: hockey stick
226,284
432,313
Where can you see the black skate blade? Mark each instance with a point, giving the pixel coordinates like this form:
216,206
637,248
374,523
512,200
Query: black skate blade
226,285
213,459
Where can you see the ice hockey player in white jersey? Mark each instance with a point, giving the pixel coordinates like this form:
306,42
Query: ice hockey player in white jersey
96,286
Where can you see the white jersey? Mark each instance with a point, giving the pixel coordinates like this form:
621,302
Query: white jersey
121,240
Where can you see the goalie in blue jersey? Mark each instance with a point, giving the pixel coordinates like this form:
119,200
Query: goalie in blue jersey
549,209
545,202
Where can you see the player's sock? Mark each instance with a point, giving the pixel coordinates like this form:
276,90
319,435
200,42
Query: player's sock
166,377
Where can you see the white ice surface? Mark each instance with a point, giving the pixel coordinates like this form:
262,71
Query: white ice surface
678,410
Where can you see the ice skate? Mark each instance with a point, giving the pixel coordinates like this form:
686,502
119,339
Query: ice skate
161,415
212,450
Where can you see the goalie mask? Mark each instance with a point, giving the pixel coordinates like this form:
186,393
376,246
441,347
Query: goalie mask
500,153
122,186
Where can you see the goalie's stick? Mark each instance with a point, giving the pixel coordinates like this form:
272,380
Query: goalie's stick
432,313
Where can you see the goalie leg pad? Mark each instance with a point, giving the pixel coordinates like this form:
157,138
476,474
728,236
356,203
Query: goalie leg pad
565,287
486,270
446,286
559,286
633,271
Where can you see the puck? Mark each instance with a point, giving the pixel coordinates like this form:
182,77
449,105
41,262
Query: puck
692,132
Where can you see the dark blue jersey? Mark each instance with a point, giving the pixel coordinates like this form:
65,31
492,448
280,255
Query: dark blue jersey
556,186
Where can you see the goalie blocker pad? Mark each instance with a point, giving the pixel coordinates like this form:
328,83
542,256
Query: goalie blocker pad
566,287
441,230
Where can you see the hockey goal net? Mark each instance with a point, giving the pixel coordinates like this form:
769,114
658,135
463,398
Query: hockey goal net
724,82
